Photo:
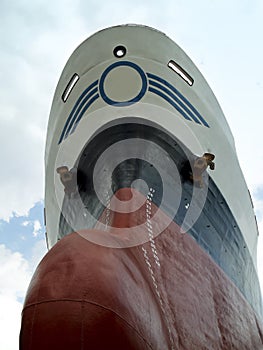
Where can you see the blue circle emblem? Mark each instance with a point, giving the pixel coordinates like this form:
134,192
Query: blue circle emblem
131,101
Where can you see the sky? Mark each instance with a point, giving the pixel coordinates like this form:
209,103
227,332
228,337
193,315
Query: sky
222,37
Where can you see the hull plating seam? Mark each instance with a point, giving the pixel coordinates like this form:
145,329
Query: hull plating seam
91,303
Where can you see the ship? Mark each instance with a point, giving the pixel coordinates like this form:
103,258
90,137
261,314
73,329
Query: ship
150,226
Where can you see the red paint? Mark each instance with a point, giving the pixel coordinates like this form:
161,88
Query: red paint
85,296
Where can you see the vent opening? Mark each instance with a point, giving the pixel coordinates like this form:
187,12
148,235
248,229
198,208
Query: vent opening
181,72
119,51
70,87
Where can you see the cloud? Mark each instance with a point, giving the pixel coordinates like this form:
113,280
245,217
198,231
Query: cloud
23,119
15,275
10,319
35,44
25,223
37,228
38,251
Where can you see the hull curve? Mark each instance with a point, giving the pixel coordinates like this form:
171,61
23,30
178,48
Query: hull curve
151,247
125,300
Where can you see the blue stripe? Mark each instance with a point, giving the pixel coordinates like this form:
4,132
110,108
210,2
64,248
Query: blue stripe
74,109
158,92
180,103
93,99
75,116
155,77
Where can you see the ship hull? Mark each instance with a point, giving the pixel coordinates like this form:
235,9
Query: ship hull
151,226
85,295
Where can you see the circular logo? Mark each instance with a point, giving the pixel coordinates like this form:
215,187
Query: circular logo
123,79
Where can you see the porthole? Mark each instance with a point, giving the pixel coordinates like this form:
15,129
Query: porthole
181,72
70,87
119,51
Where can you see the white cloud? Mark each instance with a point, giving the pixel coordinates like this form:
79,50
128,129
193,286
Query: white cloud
32,56
16,271
22,135
37,228
25,223
38,251
14,279
15,275
10,319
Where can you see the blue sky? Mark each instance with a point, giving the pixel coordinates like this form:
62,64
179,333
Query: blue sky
21,233
222,37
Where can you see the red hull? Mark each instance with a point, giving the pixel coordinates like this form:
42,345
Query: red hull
86,296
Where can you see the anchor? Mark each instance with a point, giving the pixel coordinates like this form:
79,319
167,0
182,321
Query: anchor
200,165
68,179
